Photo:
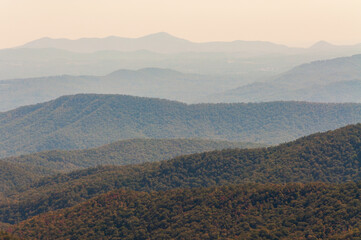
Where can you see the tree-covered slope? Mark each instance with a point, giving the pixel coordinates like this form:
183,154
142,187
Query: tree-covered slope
4,226
7,236
334,156
124,152
89,120
13,175
290,211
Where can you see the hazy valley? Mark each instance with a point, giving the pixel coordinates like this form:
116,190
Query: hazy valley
159,137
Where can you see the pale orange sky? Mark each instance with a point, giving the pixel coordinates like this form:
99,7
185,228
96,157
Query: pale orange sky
290,22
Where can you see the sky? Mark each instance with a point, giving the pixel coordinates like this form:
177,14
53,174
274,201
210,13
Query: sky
291,22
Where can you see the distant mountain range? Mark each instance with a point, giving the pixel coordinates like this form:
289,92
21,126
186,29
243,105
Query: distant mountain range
90,120
248,60
165,43
334,80
159,42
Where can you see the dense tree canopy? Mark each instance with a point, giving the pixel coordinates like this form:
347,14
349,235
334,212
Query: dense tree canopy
7,236
252,211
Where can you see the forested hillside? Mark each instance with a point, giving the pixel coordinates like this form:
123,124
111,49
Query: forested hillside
333,156
124,152
89,120
7,236
253,211
4,227
13,175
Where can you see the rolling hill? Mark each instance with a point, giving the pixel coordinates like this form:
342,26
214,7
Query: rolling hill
334,80
89,120
124,152
332,157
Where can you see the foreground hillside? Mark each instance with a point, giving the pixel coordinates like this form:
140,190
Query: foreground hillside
290,211
124,152
89,120
333,156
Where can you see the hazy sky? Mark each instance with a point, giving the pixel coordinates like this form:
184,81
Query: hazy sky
291,22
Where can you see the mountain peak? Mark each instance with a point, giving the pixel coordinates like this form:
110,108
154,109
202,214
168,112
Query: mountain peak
322,45
161,36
